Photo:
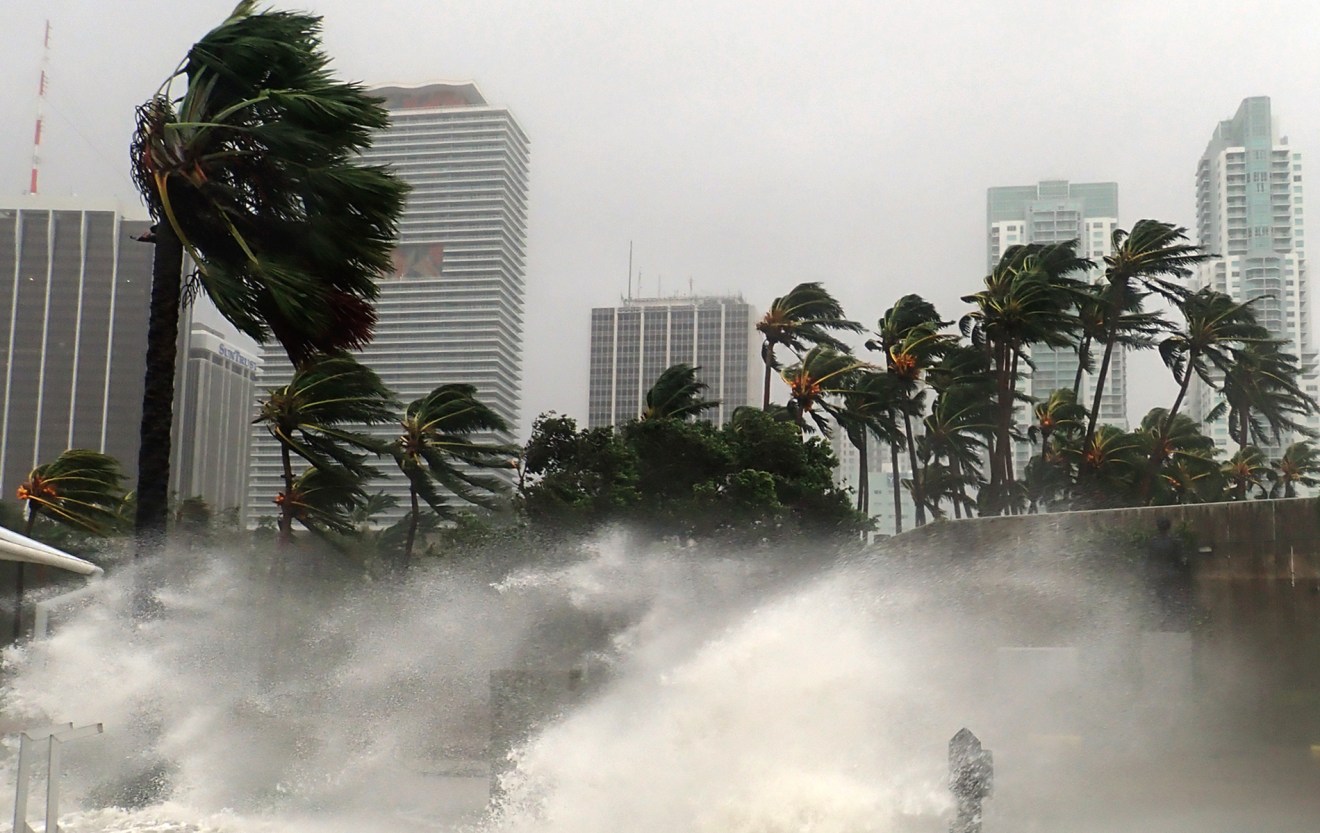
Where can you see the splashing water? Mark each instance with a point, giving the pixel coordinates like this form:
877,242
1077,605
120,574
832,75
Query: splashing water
736,693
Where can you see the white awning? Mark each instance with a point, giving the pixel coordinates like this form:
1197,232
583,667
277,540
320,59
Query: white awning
15,547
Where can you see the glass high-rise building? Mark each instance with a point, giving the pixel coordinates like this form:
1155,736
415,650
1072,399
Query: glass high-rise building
74,293
1055,211
1249,213
632,344
452,312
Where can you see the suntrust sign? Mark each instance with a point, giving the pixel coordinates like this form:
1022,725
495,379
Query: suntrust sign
236,357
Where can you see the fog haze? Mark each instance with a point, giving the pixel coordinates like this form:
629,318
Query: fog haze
741,147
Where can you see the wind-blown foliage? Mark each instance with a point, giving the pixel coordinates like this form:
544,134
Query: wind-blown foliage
79,488
817,384
1299,466
436,447
677,394
805,317
314,415
1027,299
1262,396
256,171
1147,256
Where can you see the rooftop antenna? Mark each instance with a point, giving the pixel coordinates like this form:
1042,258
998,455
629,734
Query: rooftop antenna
630,270
41,106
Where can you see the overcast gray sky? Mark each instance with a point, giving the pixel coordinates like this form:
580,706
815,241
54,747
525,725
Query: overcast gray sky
743,146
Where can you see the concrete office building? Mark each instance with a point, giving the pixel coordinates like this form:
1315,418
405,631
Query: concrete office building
1055,211
632,344
74,291
453,309
1249,212
214,403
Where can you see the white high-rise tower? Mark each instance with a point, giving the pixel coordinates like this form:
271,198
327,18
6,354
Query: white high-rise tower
1249,213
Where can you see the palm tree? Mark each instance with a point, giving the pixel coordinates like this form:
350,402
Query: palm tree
802,318
308,417
1134,328
958,430
909,336
816,383
677,394
1247,469
1146,255
79,488
436,447
1107,465
255,171
870,409
1028,299
1176,455
1261,395
1299,465
1214,324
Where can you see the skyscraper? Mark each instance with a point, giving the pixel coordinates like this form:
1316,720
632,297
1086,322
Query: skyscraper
74,290
453,309
631,345
1055,211
214,402
1249,212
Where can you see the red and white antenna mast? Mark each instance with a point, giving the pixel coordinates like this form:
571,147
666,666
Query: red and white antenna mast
41,110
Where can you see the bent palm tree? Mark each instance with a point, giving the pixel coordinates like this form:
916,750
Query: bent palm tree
802,318
1299,466
815,383
1146,255
1262,396
677,394
436,446
80,488
255,171
308,417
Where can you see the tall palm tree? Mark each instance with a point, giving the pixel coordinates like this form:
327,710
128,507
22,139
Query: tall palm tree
255,171
1134,329
1214,325
310,417
803,318
1300,465
958,431
1028,299
1147,255
870,409
677,394
909,336
80,488
1262,396
437,447
817,385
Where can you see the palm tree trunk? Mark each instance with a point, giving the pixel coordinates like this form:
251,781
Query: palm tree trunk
768,354
956,468
413,518
153,465
1178,400
863,478
898,488
1110,335
1083,352
917,498
286,507
1009,475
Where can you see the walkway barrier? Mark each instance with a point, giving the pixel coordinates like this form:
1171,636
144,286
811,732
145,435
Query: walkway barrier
30,744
